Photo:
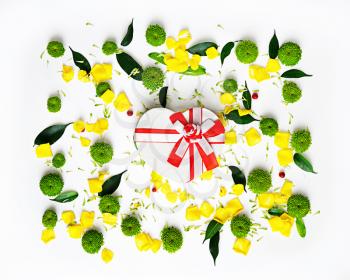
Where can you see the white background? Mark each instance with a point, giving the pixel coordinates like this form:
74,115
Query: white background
321,29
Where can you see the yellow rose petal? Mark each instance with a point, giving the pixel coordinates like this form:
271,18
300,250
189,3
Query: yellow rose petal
234,207
280,198
273,65
237,189
223,191
171,197
183,196
107,96
285,157
287,187
252,136
85,142
109,219
75,231
101,72
68,217
165,188
83,76
193,213
156,244
170,42
227,98
143,241
266,200
244,112
222,215
106,255
230,137
67,73
241,246
148,192
95,185
212,53
282,139
122,102
79,126
87,219
258,73
206,209
222,119
207,175
43,151
47,235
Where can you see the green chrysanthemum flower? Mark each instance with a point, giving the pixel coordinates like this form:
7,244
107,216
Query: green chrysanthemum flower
291,92
101,88
268,126
172,239
54,104
92,241
230,85
101,152
259,181
109,47
51,184
49,219
289,53
130,226
109,204
298,205
155,35
301,140
247,51
58,160
55,49
240,226
153,78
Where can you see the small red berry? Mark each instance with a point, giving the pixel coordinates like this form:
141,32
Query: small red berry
282,174
154,189
255,95
130,113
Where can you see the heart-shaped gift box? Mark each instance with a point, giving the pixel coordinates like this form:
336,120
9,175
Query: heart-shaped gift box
180,145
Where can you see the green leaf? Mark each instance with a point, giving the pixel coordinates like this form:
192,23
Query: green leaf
111,184
247,98
238,176
303,163
275,211
129,65
200,48
226,50
159,57
80,61
301,227
162,96
213,227
273,46
294,73
66,197
50,134
129,34
234,116
214,246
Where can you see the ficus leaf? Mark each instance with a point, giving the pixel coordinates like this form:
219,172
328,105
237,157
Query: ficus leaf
301,227
303,163
162,96
238,176
129,65
247,98
294,73
50,134
111,184
234,116
212,228
129,34
214,246
66,197
273,46
80,61
275,211
226,50
200,48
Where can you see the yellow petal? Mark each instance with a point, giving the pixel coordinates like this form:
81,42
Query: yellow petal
79,126
68,217
234,207
223,191
285,156
206,209
266,200
102,124
148,192
243,112
108,96
193,213
122,102
252,136
207,175
230,137
170,42
275,223
95,185
222,215
143,241
287,187
47,235
171,197
287,224
222,119
101,72
281,139
75,231
227,98
106,255
258,73
109,219
237,189
212,52
273,65
241,246
183,196
87,219
85,142
43,151
182,55
280,198
165,188
89,127
228,109
67,73
155,246
83,76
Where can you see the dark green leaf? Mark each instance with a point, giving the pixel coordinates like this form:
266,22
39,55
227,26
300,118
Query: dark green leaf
66,197
129,34
212,228
275,211
294,73
159,57
247,98
80,61
301,227
162,96
303,163
111,184
273,46
226,50
200,48
238,176
234,116
50,134
129,65
214,246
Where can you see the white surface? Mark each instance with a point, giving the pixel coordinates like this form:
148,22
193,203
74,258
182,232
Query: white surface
320,28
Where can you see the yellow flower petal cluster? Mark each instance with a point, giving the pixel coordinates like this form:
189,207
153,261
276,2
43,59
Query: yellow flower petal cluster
282,224
145,242
109,219
99,127
101,72
87,218
95,184
268,200
285,154
232,208
260,73
194,213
